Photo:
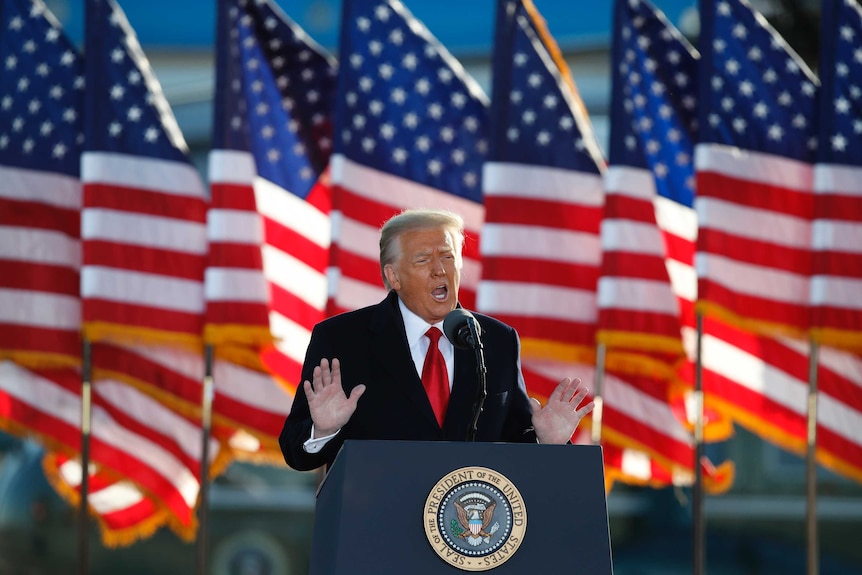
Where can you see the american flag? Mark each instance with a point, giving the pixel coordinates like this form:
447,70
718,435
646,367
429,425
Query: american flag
410,131
762,382
144,248
124,513
543,198
836,285
754,172
636,467
41,98
649,226
164,461
268,223
249,407
41,138
143,224
648,286
132,435
646,441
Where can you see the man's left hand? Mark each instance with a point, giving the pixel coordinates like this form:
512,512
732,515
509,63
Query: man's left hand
558,419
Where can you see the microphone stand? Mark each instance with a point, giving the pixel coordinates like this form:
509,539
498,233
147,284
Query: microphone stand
482,391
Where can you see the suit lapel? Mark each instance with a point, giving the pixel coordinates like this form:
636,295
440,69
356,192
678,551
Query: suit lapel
393,353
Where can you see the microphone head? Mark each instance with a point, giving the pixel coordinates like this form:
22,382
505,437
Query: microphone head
456,326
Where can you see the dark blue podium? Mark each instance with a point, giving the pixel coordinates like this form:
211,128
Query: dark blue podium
395,507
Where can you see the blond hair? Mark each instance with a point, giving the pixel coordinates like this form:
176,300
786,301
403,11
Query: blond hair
417,219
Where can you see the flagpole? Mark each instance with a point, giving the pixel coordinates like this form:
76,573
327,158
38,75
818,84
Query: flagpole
811,463
206,424
83,507
698,519
597,395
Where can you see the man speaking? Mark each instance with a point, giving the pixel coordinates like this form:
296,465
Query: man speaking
387,371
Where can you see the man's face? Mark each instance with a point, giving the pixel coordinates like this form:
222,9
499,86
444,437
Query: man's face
427,275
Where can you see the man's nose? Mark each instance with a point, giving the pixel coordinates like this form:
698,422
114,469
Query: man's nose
438,268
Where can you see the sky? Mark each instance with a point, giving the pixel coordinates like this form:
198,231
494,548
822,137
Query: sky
465,27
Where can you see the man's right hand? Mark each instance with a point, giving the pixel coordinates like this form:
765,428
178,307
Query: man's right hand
329,406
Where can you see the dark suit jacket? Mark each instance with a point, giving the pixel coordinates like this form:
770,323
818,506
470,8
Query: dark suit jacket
372,346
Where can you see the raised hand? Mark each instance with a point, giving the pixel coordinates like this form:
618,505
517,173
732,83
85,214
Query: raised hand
557,421
330,407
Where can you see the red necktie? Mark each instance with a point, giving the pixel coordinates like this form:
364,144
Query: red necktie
435,378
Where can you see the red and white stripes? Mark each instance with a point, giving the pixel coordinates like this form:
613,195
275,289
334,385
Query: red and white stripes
364,198
40,254
143,230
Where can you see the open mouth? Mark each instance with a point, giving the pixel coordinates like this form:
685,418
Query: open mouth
440,293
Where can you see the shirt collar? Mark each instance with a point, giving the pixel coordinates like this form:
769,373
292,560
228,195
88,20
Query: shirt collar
414,326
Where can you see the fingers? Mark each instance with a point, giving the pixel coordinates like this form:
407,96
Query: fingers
356,393
324,374
561,391
585,409
580,393
570,391
535,405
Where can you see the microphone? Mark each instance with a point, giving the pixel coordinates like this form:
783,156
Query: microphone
462,329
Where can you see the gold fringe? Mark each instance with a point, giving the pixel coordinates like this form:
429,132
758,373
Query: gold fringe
40,360
538,349
232,335
290,388
266,456
640,341
24,432
843,339
147,528
715,485
114,538
243,356
111,538
786,441
637,364
181,406
110,332
619,475
722,480
761,327
839,466
624,441
713,431
761,427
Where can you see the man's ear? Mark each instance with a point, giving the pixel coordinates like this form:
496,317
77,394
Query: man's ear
392,276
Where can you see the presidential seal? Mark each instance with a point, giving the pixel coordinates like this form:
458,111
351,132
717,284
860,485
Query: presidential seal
475,518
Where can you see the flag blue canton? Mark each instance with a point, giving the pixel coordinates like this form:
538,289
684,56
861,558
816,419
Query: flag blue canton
127,111
405,106
755,92
654,101
276,97
534,118
841,74
41,91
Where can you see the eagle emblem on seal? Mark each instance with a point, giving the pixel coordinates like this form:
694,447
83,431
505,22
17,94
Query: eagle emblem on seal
475,515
